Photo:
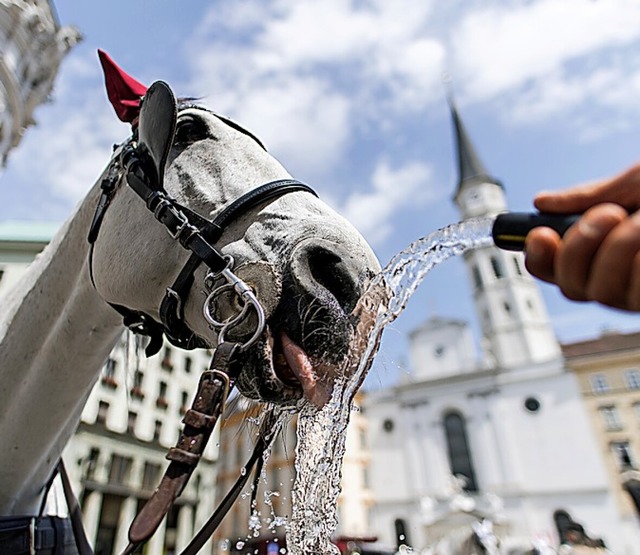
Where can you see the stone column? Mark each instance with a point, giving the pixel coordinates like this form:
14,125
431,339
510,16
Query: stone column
184,531
91,515
127,514
155,546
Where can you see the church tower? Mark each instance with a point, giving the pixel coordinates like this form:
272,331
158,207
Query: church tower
515,326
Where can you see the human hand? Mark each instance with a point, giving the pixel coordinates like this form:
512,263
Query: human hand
598,259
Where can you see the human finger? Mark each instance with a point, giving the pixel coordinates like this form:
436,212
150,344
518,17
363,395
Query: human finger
613,267
633,294
540,248
577,250
622,189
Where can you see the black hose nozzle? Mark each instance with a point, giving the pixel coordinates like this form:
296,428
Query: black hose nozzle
511,228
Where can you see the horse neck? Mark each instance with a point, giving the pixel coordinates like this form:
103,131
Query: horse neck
55,334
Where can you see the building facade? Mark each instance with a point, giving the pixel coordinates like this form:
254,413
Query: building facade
502,434
131,418
608,371
32,46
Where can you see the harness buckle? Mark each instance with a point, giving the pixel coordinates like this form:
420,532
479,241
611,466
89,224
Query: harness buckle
173,218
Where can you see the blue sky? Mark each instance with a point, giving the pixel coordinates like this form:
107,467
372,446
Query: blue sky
349,96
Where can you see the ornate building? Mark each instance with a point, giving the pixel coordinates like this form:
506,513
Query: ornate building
608,371
503,435
32,45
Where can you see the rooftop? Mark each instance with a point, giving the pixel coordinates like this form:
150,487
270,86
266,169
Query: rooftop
27,232
607,343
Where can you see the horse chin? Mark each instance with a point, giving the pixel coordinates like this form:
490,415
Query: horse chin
278,370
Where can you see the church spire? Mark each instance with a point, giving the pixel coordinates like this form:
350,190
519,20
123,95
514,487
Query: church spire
471,170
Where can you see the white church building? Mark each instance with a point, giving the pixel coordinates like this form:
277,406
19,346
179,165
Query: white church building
509,424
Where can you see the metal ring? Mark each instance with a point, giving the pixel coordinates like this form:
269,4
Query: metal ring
248,299
253,301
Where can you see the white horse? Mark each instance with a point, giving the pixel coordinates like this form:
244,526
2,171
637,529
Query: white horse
306,264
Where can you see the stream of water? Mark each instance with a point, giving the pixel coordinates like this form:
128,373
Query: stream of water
322,433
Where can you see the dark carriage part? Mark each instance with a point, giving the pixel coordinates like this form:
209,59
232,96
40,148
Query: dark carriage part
511,228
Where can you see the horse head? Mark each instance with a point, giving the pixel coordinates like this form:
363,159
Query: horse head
306,265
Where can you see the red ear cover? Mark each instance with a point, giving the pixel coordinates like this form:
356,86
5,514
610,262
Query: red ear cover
124,91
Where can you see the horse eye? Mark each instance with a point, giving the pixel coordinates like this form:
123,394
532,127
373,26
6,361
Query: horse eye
188,130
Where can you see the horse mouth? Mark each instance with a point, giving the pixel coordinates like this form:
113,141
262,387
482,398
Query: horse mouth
294,367
281,371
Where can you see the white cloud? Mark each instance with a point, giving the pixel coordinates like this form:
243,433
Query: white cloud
392,189
498,49
306,74
544,58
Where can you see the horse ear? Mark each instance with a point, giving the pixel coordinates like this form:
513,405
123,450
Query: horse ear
124,91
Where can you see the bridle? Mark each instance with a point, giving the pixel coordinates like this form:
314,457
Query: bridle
141,161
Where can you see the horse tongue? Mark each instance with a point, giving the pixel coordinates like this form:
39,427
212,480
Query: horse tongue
316,390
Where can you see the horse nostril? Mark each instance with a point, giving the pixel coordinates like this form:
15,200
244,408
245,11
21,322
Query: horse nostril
331,273
326,272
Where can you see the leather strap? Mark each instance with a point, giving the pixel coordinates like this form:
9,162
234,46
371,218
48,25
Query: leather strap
75,514
215,385
221,511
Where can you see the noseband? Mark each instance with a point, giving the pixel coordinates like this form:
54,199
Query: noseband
141,160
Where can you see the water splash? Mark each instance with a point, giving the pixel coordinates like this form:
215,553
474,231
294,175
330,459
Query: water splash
322,433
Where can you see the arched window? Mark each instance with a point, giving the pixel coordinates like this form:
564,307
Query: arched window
402,537
458,449
562,521
477,278
497,267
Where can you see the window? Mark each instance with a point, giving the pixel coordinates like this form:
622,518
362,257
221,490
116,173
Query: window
120,469
636,410
477,278
103,411
632,377
497,267
458,449
517,265
610,418
136,388
622,453
599,384
92,462
132,419
402,536
161,401
184,403
167,363
109,373
157,430
150,475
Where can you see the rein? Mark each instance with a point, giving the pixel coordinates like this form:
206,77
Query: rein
142,161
